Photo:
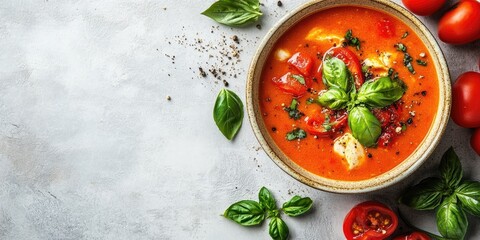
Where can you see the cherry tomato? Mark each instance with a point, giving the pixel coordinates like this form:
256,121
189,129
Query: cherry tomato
302,62
293,83
414,236
465,100
352,62
320,126
423,7
369,221
461,24
475,141
386,28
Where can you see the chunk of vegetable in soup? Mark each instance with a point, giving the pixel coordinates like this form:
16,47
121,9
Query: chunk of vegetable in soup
348,99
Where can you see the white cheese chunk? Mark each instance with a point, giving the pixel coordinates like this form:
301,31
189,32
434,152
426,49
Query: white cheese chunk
282,55
350,149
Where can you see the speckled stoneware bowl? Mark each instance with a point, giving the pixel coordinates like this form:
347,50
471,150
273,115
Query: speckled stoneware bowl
423,151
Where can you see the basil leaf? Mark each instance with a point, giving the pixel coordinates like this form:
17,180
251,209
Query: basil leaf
364,125
380,93
299,78
234,13
228,113
245,213
334,98
452,221
469,195
278,229
266,199
426,195
451,168
297,133
297,206
334,74
293,111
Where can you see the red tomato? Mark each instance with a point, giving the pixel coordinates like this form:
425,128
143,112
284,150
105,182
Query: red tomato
465,100
461,24
352,62
293,83
423,7
389,117
475,141
414,236
302,62
386,28
369,221
318,126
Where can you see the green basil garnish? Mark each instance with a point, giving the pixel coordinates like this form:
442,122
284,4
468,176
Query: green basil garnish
364,125
351,40
468,192
234,13
249,212
451,168
335,74
245,213
426,195
407,61
297,133
228,113
266,199
334,98
293,111
278,229
451,219
297,206
299,78
421,62
401,47
459,197
380,93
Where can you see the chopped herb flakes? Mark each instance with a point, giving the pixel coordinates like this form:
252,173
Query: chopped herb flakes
299,78
405,35
310,100
351,40
296,134
293,111
407,59
421,62
401,47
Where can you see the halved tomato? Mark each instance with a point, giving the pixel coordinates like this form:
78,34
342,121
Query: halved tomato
414,236
293,83
302,62
369,221
351,60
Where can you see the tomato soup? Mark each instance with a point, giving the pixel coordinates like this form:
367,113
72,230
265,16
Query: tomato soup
349,93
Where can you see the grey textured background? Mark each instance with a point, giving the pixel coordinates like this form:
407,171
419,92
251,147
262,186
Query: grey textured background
91,149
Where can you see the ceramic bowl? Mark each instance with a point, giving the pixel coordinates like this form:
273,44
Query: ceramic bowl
409,165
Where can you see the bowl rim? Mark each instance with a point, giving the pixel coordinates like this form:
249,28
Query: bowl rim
403,169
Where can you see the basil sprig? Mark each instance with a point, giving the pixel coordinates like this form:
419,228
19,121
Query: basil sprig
234,13
450,195
341,94
228,113
249,212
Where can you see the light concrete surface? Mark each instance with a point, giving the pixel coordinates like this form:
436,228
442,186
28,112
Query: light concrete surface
91,149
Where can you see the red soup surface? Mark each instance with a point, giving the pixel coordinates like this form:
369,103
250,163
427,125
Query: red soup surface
318,137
